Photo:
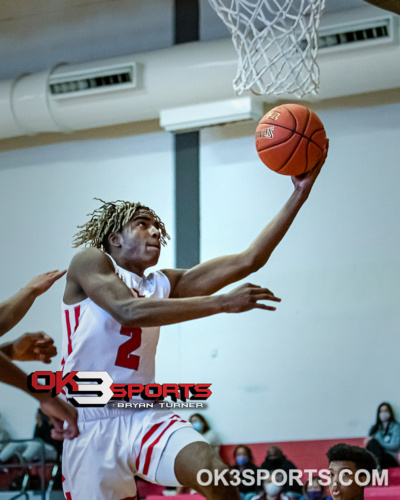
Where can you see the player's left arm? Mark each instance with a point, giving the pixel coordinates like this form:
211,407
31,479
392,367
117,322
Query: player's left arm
209,277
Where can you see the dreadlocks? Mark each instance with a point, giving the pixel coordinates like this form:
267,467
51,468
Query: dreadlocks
111,217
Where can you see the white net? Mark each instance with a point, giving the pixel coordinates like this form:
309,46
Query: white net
277,43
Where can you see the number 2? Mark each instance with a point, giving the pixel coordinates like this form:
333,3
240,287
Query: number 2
125,358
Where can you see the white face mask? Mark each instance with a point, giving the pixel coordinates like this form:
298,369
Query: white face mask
384,416
271,488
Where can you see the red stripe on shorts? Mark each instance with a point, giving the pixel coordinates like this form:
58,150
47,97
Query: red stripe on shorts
151,447
129,498
145,438
68,496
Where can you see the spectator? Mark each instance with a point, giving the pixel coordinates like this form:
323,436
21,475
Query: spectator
31,451
313,490
201,425
244,464
274,460
344,463
272,491
4,435
384,437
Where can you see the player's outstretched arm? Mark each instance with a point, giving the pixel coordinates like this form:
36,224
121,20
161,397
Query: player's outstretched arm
59,410
30,347
93,272
15,308
209,277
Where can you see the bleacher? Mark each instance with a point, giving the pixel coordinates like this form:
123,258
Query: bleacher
305,455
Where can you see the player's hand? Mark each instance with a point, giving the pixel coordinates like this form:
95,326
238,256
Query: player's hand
246,297
59,412
305,181
34,347
43,282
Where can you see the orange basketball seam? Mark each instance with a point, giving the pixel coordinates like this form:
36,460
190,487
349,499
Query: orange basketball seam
294,132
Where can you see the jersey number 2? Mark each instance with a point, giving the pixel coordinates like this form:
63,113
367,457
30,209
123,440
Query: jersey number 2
125,358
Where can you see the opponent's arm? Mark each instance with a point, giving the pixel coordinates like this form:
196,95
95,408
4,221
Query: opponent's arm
30,347
53,407
15,308
211,276
94,273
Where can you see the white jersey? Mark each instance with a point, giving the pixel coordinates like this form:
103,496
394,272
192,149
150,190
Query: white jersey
94,341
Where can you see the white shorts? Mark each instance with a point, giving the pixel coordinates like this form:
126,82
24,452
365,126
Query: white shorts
116,444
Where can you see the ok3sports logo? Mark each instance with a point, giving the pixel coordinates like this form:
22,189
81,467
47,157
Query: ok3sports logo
98,388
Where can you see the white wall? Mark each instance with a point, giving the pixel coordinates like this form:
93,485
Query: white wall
45,193
320,365
316,368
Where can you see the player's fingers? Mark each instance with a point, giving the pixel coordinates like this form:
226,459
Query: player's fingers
265,307
266,296
48,351
56,275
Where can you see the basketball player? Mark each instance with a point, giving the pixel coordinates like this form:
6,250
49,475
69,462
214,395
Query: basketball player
33,347
112,315
344,462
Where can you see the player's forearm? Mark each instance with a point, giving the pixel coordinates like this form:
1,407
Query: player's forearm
15,308
262,247
7,349
160,312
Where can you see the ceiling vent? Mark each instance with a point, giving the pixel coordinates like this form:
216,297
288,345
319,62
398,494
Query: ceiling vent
359,34
66,83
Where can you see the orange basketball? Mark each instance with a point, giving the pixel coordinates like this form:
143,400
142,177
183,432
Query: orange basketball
290,139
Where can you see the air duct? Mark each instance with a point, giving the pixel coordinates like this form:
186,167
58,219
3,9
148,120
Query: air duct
139,87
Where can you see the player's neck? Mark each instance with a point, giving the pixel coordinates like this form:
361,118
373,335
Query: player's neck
133,267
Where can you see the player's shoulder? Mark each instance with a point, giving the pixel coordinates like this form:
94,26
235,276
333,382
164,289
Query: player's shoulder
90,259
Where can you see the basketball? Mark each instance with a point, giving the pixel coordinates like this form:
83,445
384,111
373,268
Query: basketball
290,139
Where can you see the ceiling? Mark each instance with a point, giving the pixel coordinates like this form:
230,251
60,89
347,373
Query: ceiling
38,34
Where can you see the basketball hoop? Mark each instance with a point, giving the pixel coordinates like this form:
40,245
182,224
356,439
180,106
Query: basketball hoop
277,43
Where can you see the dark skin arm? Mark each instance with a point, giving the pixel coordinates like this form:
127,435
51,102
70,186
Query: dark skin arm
55,408
30,347
91,274
211,276
15,308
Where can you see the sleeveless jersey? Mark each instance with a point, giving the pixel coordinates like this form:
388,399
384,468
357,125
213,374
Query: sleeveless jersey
94,341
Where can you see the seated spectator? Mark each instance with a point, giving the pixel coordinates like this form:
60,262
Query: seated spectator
244,464
31,451
201,425
353,458
274,460
313,490
4,435
384,437
271,490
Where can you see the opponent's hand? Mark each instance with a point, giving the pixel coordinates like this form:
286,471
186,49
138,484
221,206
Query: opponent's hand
246,297
34,347
43,282
305,181
59,412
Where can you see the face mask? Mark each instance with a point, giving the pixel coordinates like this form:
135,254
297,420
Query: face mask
314,495
271,488
242,460
197,426
384,416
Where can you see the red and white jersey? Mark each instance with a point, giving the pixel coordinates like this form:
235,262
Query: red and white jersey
94,341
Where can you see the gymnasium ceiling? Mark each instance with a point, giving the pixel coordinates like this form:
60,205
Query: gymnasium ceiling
37,34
